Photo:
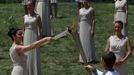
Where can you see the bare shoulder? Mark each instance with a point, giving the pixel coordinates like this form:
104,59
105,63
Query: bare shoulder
18,47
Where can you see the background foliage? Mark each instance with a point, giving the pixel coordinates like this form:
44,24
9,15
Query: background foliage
61,57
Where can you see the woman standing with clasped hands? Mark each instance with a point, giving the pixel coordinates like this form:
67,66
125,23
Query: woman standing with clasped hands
86,31
120,45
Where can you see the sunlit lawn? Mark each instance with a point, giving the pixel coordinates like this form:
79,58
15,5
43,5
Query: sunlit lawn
61,57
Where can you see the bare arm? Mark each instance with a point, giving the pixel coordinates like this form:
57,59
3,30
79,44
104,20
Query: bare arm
24,23
93,23
126,11
114,11
107,45
40,26
129,51
21,49
78,26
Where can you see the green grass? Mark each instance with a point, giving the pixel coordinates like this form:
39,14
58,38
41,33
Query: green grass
61,57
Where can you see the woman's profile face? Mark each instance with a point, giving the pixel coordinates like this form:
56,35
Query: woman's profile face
19,35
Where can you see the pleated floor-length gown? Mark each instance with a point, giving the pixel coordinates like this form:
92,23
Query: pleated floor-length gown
87,41
30,36
43,10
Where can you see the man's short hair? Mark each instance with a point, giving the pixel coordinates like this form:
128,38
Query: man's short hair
109,59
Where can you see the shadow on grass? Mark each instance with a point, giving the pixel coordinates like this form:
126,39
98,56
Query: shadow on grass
61,17
3,57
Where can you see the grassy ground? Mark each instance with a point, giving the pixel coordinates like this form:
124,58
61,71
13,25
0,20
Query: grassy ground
61,57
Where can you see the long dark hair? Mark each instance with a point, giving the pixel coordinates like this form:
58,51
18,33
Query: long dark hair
12,32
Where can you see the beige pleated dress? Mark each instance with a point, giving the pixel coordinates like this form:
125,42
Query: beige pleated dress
30,36
43,10
118,46
87,41
19,62
121,15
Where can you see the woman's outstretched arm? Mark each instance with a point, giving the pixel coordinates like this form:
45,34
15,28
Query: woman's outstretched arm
21,49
